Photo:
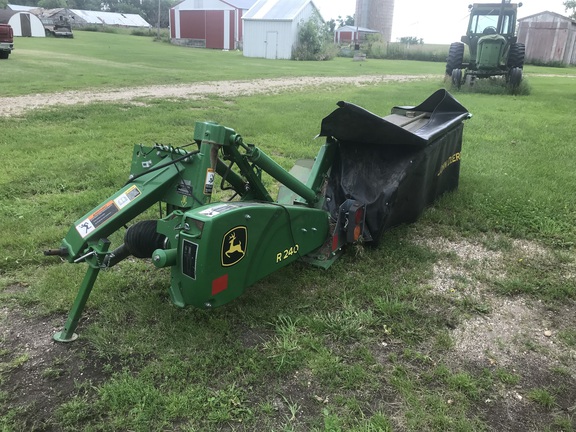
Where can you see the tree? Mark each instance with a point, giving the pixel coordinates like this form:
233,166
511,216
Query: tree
33,3
349,20
411,40
330,26
52,4
570,6
94,5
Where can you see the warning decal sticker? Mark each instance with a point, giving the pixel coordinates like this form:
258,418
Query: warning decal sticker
104,213
127,197
107,211
85,228
209,183
216,210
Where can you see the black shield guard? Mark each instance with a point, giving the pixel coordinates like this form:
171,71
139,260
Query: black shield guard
397,165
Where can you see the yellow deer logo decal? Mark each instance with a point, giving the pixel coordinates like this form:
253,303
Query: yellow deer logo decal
234,246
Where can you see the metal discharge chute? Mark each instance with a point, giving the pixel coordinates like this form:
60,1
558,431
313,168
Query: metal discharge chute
371,173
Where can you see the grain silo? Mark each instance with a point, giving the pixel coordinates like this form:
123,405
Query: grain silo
375,15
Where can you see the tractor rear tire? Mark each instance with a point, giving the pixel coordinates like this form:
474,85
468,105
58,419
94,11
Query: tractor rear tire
455,57
516,55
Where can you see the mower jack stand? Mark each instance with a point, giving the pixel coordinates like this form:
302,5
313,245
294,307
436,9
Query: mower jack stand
67,334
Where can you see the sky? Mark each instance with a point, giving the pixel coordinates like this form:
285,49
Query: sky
439,21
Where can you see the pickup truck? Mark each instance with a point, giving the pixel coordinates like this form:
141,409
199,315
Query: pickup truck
6,40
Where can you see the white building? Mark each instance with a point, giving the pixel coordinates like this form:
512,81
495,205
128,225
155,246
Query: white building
23,23
271,27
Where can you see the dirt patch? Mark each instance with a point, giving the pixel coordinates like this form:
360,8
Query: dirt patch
509,326
515,328
17,105
519,335
39,374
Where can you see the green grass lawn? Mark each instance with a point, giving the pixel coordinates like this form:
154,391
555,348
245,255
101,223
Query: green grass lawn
108,60
370,345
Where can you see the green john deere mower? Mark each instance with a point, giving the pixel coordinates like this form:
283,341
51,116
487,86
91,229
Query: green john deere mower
370,174
493,46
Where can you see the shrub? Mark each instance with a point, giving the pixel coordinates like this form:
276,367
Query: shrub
99,28
375,46
143,32
314,42
554,63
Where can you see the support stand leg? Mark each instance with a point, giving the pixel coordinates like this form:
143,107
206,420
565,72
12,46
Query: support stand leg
67,334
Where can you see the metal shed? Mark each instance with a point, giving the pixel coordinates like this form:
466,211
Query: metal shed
82,17
58,15
23,23
549,37
208,23
21,8
271,27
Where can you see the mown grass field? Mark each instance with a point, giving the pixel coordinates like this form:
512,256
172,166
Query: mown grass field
442,327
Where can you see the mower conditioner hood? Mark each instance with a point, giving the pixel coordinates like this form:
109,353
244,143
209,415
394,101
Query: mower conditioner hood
398,164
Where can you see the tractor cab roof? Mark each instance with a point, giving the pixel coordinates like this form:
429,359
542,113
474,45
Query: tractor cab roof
492,18
483,7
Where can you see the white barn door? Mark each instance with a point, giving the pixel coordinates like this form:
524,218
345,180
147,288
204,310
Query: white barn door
272,45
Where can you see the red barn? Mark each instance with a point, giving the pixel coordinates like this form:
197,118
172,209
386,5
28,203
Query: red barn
351,34
213,24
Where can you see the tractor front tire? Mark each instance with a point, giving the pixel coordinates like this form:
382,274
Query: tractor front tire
516,55
515,77
4,55
455,57
456,77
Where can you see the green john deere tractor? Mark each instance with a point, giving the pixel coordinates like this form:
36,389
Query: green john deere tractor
494,50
